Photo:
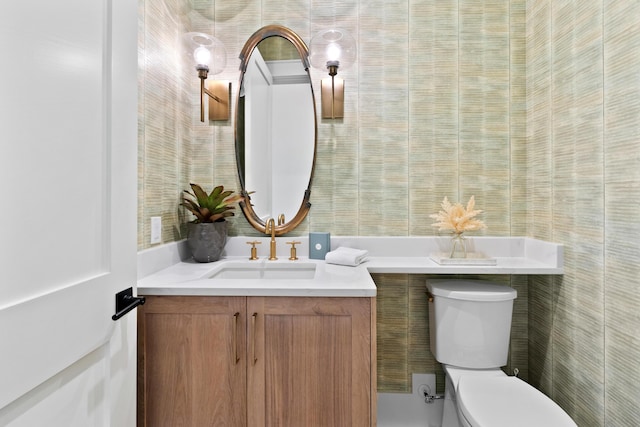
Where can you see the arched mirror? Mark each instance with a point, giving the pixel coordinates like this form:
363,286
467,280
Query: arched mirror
276,129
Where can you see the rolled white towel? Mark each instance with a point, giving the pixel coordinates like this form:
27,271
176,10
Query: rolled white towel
346,256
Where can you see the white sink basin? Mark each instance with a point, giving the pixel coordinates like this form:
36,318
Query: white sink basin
265,270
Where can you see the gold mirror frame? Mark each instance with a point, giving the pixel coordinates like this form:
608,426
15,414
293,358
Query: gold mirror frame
245,54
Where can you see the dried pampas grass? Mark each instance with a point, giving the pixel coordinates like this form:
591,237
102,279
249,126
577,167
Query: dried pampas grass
457,218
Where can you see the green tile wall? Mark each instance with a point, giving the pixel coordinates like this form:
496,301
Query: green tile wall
533,106
435,107
583,123
164,118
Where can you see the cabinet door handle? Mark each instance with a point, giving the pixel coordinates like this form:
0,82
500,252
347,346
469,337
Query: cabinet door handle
235,336
254,316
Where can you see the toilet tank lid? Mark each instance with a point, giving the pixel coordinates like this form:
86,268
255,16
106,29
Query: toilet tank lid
471,290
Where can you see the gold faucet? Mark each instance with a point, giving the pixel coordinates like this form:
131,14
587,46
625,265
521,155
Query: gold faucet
271,228
281,220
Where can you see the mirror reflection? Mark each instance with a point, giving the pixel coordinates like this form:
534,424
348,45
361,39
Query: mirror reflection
275,129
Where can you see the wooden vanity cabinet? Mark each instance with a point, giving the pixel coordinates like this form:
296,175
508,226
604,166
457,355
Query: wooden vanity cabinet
256,361
191,361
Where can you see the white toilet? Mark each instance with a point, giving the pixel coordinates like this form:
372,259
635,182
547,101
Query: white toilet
470,324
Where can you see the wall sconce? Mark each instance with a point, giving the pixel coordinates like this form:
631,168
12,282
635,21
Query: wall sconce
208,55
332,50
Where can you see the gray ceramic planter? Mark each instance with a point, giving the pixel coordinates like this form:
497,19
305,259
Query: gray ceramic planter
206,241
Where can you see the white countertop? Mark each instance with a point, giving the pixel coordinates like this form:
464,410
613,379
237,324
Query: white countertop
192,278
164,273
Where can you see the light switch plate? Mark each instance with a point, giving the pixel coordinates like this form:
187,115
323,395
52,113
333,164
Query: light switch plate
156,229
319,245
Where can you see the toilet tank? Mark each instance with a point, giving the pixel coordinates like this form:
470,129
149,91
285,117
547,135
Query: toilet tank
470,322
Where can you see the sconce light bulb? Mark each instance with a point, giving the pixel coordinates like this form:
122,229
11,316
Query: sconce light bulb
333,52
331,49
202,56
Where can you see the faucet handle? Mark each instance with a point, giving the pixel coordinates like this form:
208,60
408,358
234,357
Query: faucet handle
293,256
254,251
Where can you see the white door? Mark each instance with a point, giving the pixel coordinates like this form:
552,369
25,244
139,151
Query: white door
68,126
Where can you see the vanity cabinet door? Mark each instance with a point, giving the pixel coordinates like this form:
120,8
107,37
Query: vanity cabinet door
311,361
191,361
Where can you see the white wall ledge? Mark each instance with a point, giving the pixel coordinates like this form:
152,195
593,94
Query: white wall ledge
410,255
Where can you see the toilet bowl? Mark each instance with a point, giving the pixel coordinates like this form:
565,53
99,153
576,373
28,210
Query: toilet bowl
490,398
470,323
498,401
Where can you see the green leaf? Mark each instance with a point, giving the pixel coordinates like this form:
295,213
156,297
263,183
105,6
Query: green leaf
200,194
190,204
216,191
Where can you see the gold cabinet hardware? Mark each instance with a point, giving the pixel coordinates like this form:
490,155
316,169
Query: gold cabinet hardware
253,337
254,251
235,336
293,256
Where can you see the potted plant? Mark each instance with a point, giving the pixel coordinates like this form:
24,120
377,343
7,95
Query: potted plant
207,234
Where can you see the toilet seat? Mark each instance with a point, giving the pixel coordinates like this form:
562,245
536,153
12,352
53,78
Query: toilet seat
504,401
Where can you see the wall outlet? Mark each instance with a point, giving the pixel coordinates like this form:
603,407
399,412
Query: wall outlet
156,229
422,382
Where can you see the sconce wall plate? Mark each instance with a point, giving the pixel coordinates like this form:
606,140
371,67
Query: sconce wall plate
332,93
219,103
